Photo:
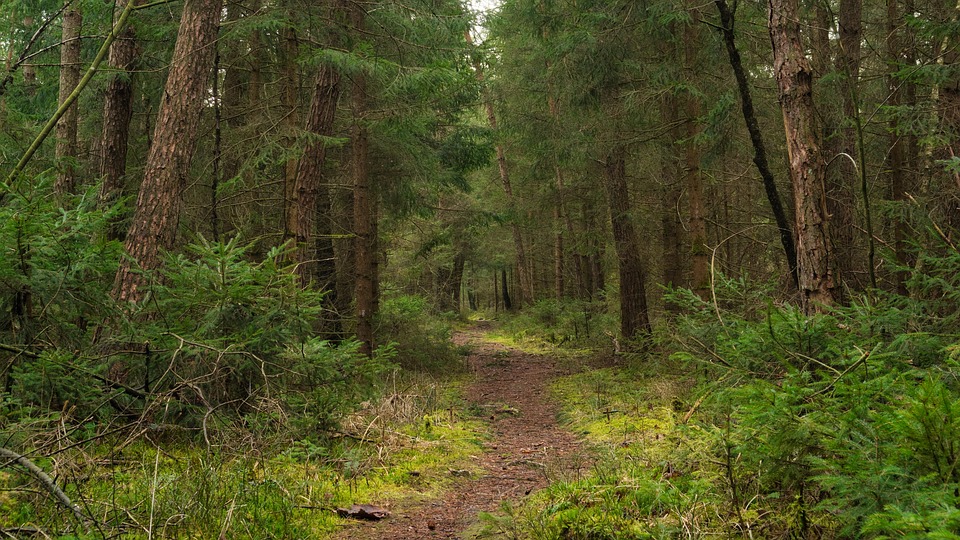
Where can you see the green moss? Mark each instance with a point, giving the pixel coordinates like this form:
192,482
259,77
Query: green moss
646,482
189,490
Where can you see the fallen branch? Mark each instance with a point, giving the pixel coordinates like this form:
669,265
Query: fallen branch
44,479
696,405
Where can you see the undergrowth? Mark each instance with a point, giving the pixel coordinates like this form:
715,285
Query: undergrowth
251,482
212,410
754,420
552,325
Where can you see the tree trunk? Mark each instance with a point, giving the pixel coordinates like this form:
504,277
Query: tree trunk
595,270
756,138
505,291
345,249
693,179
234,113
66,151
117,114
304,206
255,86
155,221
456,284
902,144
795,82
634,319
364,207
671,226
291,87
558,223
312,195
842,146
29,70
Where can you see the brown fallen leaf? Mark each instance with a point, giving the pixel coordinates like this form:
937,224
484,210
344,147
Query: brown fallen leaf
366,512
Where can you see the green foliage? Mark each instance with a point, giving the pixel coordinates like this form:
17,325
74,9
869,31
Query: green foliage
323,381
768,423
840,420
231,333
54,277
420,338
569,323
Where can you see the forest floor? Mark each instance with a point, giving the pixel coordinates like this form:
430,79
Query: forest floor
527,450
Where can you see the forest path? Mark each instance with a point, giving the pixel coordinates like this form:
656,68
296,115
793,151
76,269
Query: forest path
527,450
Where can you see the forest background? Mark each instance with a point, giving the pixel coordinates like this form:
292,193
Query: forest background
226,224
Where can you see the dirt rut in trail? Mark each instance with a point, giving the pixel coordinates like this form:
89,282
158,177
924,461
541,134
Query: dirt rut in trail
528,446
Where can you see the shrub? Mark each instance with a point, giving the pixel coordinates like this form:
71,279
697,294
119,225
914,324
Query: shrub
421,340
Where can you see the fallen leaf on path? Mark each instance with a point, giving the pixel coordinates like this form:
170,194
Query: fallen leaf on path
366,512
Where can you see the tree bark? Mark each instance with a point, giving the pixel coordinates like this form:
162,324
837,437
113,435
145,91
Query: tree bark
902,143
807,168
289,98
634,319
756,138
29,70
305,206
671,226
233,113
558,211
157,215
505,291
312,208
66,150
699,252
364,208
842,145
117,115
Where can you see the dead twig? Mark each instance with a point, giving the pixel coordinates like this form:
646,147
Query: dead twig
44,479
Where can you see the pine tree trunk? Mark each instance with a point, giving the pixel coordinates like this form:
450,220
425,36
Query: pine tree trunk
117,115
505,291
671,226
255,86
596,273
795,81
315,254
289,98
364,208
756,138
901,143
157,215
558,223
66,151
634,319
693,179
29,70
234,113
841,148
304,209
456,283
345,249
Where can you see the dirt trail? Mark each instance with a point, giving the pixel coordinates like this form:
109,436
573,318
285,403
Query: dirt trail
528,446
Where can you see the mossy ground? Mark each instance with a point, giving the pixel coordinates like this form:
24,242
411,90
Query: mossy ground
236,488
646,482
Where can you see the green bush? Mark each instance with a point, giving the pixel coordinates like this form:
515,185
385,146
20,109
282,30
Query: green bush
844,424
420,339
568,323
